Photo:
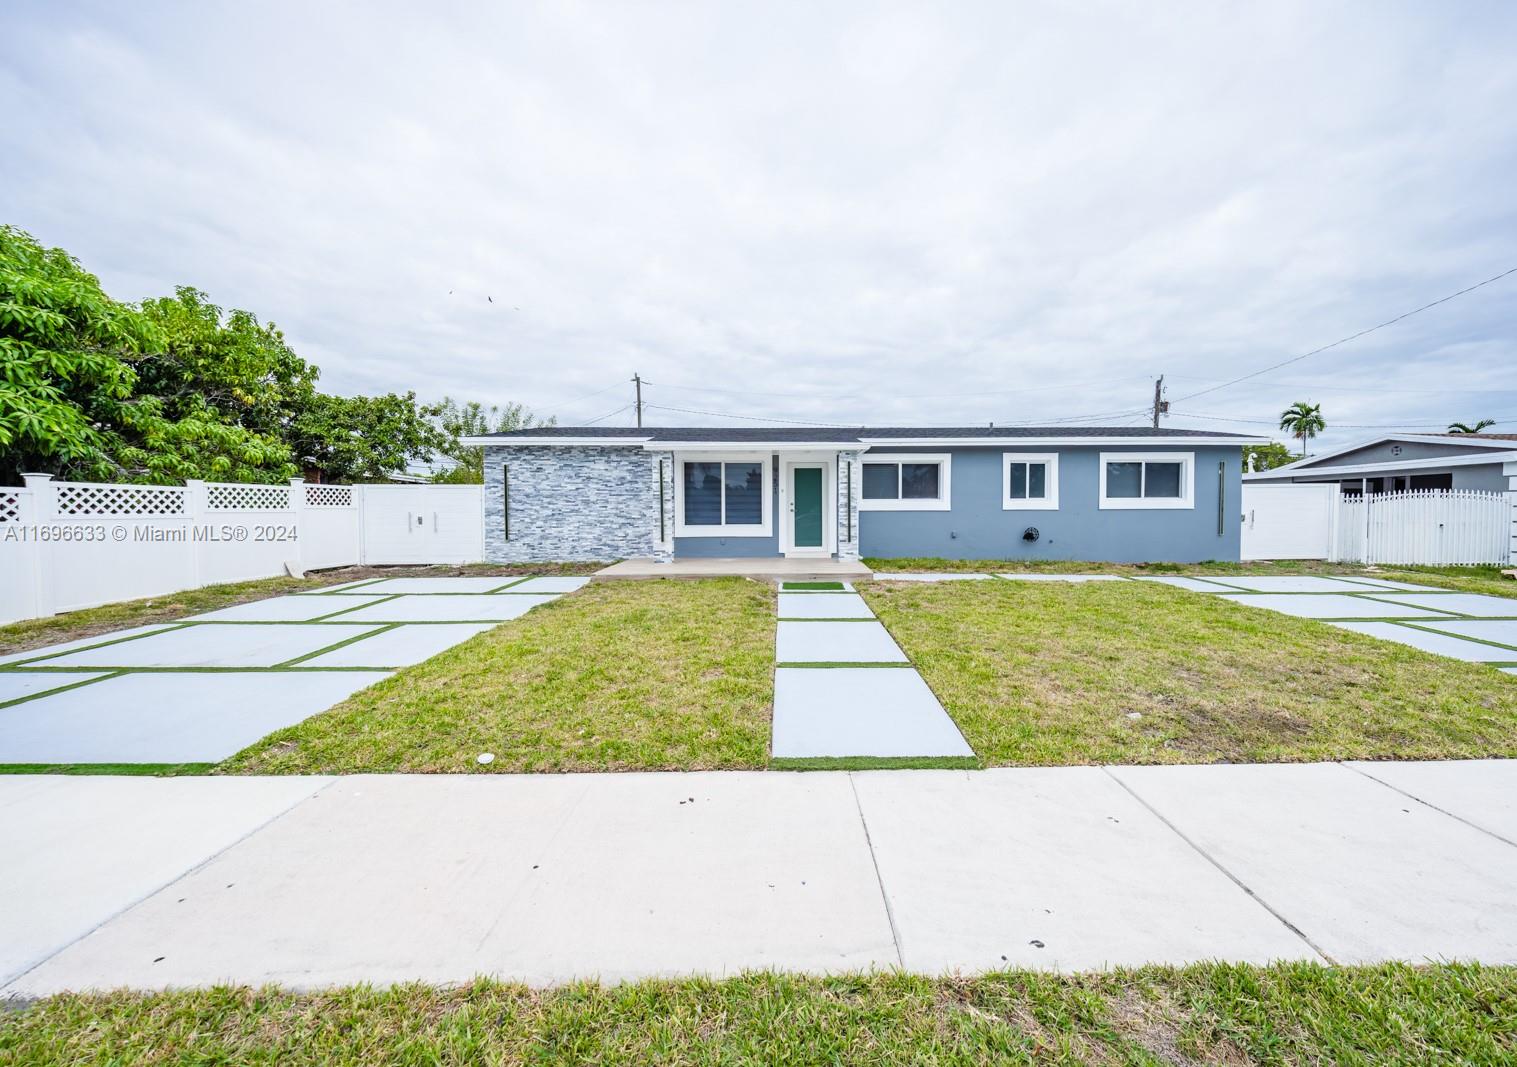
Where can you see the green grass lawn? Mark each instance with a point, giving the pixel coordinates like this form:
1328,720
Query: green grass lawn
1214,1014
55,629
1049,673
654,675
1476,579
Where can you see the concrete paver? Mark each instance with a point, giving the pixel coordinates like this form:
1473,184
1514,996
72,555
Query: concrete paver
860,711
1362,871
293,608
835,642
79,850
1050,868
814,606
216,645
1289,583
1501,631
450,607
1438,644
1491,607
189,717
1063,577
400,647
460,584
551,584
14,684
45,654
1330,606
1195,585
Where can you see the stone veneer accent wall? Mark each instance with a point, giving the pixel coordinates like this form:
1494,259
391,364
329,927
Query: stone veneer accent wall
571,503
848,492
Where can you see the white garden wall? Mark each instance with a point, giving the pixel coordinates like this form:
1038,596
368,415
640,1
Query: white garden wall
71,545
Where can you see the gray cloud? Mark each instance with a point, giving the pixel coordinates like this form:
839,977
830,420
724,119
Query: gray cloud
891,214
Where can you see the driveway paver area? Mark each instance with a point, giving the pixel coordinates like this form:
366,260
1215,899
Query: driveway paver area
148,883
200,690
1469,626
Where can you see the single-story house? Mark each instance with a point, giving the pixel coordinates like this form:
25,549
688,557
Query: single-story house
1084,493
1400,462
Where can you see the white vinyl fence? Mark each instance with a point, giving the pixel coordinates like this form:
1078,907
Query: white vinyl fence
71,545
1436,527
1431,526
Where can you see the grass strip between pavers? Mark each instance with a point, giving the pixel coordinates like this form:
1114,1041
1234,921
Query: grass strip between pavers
381,628
100,676
812,587
329,616
164,770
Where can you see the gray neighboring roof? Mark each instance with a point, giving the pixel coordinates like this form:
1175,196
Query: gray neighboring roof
840,435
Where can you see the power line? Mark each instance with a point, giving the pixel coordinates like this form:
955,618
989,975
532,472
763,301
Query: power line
607,415
1350,337
587,396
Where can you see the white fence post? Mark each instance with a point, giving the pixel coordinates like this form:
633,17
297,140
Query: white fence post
298,507
196,508
43,510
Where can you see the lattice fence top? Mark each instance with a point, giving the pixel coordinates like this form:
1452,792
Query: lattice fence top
86,498
329,496
10,507
226,496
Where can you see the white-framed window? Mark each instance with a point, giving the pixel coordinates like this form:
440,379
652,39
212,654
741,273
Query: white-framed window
1030,481
1148,480
900,481
723,495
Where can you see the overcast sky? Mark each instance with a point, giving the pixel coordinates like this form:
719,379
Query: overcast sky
951,214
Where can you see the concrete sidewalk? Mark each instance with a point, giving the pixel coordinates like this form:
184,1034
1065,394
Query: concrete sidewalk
308,882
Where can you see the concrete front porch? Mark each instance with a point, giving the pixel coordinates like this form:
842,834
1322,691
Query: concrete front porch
763,567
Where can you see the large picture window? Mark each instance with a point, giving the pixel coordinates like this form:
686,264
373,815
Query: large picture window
1030,481
904,482
723,496
1148,480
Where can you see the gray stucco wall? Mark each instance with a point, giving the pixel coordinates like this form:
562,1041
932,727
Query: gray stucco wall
978,528
570,503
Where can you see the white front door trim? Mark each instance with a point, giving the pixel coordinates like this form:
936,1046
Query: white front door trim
828,463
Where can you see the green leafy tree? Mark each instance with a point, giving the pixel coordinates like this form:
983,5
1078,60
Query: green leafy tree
363,438
1303,421
1266,457
472,419
70,397
1464,427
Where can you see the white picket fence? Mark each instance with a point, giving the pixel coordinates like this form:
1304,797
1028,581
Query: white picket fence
71,545
1428,526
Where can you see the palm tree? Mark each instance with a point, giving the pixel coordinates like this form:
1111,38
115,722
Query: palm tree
1464,427
1303,421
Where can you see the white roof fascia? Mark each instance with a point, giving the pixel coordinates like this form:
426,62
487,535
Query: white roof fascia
754,446
1377,468
504,442
1018,442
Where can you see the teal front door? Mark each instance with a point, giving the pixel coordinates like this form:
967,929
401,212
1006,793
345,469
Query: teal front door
806,499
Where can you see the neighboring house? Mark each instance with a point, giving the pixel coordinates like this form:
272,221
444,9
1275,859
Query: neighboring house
1402,461
1085,493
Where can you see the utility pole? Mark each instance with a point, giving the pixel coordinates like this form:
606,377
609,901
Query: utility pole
1161,406
637,382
